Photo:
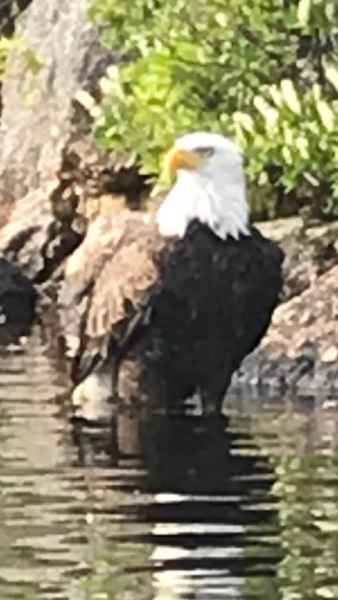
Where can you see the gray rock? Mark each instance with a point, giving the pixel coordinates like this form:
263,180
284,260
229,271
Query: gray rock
309,251
60,55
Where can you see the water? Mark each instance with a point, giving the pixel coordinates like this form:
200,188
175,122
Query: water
239,507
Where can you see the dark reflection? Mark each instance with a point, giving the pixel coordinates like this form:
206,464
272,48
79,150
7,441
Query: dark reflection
207,520
162,508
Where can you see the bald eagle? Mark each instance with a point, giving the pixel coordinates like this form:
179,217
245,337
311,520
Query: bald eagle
172,302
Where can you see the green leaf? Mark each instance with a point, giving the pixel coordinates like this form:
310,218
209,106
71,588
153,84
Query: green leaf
269,113
244,120
327,592
303,11
331,73
276,95
290,96
326,114
221,19
302,146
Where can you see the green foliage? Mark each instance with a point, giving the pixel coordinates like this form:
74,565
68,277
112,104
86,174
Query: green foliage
263,71
295,134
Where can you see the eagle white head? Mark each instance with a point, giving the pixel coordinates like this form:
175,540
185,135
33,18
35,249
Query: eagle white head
210,187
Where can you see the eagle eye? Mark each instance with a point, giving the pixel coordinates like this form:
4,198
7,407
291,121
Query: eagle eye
205,151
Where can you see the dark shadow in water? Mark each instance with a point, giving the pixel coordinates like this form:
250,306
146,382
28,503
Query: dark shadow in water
206,517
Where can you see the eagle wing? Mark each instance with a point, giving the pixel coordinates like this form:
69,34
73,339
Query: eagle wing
125,277
101,241
118,261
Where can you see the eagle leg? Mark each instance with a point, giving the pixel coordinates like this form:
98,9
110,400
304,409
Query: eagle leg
124,345
141,317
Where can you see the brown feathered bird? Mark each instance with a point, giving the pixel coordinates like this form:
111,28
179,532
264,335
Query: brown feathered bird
169,304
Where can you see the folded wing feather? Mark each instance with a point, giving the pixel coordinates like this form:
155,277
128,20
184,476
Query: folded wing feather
117,259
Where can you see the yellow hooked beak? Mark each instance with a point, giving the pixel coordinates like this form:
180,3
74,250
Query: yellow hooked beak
173,160
181,159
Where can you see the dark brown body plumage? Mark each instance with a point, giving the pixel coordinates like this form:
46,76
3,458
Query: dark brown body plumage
176,316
